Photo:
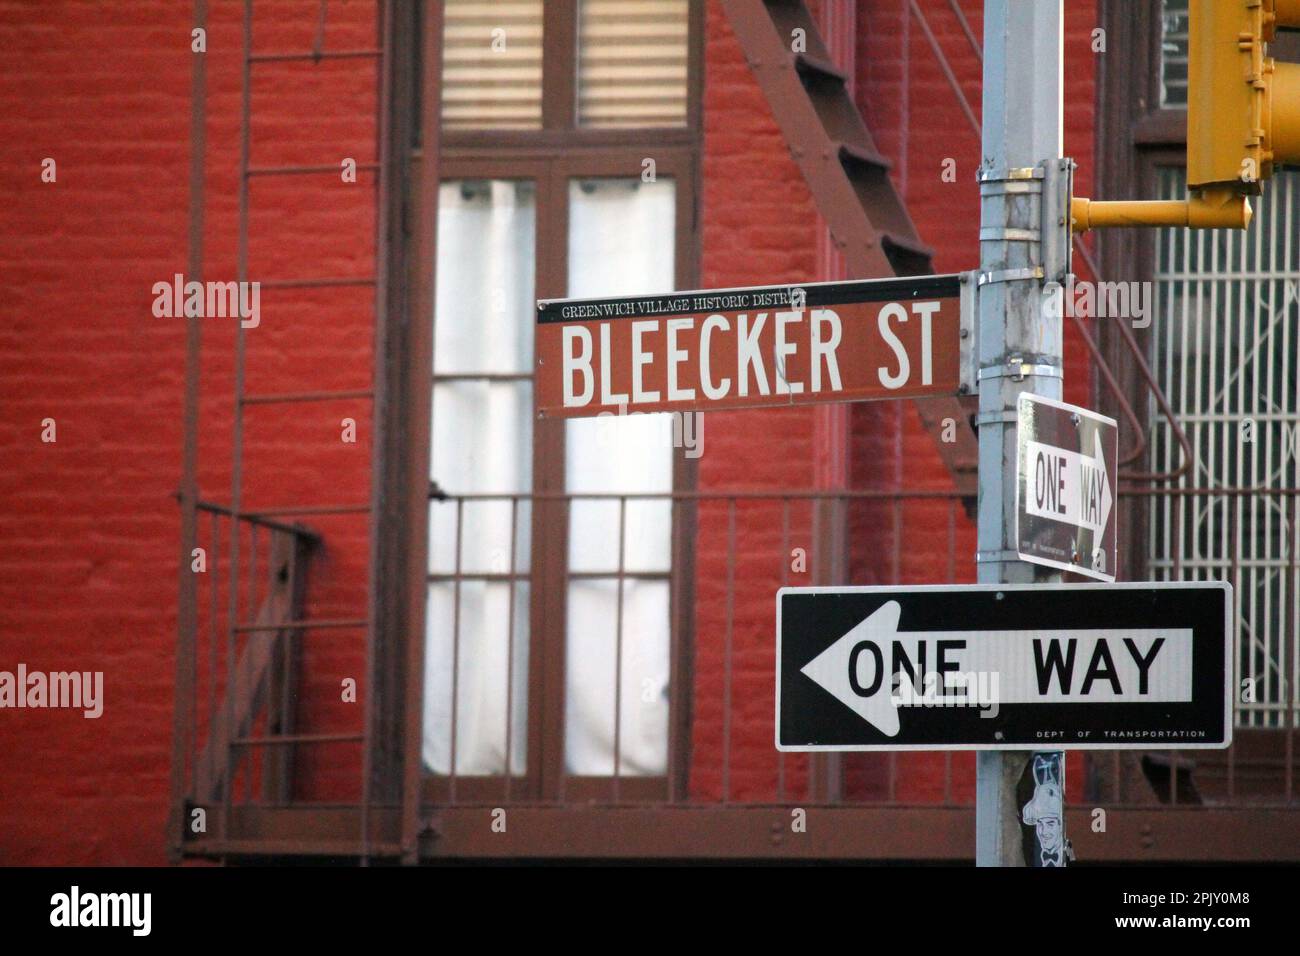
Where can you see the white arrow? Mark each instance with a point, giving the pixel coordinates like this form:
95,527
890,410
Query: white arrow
1068,486
1087,665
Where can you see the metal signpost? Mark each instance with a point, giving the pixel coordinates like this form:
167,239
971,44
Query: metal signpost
1001,667
1025,193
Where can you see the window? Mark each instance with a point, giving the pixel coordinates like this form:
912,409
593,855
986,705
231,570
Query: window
632,63
492,65
1173,54
568,169
610,221
597,64
482,442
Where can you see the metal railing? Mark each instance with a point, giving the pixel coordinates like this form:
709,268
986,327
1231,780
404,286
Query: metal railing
744,546
238,704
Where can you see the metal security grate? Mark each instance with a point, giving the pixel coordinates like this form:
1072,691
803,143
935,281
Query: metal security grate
1225,343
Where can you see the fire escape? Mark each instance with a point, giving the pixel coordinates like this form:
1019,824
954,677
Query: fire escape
239,744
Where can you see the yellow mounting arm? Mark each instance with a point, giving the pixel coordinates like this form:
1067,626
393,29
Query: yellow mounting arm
1208,209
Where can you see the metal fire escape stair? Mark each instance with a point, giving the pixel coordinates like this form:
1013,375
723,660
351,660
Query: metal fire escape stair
847,176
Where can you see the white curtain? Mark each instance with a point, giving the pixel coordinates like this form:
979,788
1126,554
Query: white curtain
621,242
621,236
482,442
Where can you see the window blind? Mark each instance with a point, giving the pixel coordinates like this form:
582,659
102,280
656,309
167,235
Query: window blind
632,62
492,64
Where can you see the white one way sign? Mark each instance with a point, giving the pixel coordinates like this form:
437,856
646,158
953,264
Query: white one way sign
1065,487
1004,666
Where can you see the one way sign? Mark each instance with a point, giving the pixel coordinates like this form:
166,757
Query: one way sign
1065,487
970,667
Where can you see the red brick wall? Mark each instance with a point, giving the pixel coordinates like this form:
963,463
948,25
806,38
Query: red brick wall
759,227
88,527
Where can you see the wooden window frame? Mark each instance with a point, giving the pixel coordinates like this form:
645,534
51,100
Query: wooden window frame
560,133
551,156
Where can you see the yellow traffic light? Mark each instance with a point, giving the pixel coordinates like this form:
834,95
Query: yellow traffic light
1243,108
1283,103
1243,119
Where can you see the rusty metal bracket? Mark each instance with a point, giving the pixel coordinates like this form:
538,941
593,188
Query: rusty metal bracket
968,356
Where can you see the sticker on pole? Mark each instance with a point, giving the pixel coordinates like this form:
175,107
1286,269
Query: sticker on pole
1066,479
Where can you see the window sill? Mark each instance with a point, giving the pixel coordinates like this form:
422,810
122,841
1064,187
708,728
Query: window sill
1160,128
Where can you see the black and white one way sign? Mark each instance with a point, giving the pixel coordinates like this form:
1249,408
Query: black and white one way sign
1008,667
1065,487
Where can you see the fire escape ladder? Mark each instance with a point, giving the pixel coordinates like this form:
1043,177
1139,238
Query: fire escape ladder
847,176
234,793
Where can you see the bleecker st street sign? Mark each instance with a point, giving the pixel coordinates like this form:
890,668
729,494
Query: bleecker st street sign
1004,667
743,348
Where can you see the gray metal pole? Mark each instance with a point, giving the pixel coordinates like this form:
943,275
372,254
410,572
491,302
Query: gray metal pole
1019,343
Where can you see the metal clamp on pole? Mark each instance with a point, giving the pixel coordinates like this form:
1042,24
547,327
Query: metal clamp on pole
968,357
1011,235
1011,275
996,557
1009,182
1017,369
996,418
1058,241
1015,174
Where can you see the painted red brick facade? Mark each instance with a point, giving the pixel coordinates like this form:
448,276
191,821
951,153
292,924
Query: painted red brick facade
88,525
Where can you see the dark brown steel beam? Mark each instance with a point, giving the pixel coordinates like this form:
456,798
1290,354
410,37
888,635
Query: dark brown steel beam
304,170
289,739
848,178
850,833
321,283
273,398
1156,835
307,625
